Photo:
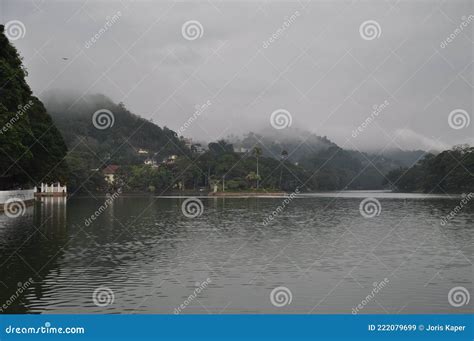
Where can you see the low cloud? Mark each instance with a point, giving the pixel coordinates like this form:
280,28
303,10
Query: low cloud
408,138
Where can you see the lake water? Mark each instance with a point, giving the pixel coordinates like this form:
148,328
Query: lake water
143,255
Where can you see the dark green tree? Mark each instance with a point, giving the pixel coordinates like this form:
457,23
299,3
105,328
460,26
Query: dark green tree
31,148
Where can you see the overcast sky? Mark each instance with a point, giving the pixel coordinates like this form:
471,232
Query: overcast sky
322,69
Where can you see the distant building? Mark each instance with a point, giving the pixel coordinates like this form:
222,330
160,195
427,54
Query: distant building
241,150
110,172
197,148
188,142
171,159
151,162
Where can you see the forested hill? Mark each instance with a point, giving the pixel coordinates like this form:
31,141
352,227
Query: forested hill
99,132
334,167
451,171
31,148
113,134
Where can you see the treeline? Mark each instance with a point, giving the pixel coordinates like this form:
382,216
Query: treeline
329,169
333,167
219,166
451,171
242,171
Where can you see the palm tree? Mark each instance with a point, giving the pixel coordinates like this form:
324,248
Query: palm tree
251,178
257,151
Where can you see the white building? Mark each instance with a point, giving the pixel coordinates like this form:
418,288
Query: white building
51,190
151,162
197,148
142,151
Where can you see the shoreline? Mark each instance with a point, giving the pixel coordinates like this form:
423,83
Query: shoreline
246,194
381,194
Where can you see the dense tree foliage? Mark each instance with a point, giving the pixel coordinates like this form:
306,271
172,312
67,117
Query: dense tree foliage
238,171
145,178
330,168
333,167
451,171
31,148
217,166
336,169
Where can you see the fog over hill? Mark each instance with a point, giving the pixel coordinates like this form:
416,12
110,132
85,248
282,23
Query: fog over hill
319,69
73,115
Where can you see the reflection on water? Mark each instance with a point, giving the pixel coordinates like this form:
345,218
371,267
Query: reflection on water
30,246
320,247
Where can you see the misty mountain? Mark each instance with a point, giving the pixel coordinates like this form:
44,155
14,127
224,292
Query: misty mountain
300,143
108,131
334,167
99,132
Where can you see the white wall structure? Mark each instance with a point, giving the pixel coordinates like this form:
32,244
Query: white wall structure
51,189
25,195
